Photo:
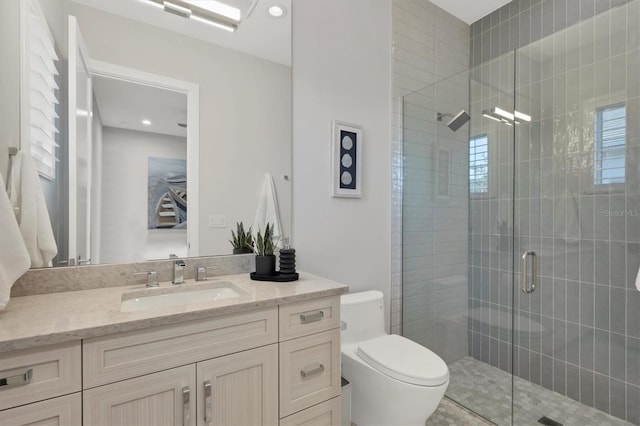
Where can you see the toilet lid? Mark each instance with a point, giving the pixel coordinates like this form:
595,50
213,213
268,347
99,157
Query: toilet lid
404,360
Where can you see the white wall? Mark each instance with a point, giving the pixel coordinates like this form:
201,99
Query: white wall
342,71
245,113
124,236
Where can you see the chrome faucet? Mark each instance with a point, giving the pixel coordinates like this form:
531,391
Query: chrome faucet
178,271
152,278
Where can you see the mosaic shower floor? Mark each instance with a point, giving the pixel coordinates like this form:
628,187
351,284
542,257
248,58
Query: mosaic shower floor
487,390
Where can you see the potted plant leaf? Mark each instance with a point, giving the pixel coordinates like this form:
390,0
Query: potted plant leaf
265,259
242,241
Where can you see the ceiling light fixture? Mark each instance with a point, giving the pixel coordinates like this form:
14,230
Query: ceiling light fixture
230,28
176,9
146,122
522,116
159,5
216,7
503,113
491,115
214,13
277,11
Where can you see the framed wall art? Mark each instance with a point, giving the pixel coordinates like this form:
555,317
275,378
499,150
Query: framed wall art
346,160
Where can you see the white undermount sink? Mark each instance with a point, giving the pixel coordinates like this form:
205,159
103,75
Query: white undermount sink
183,294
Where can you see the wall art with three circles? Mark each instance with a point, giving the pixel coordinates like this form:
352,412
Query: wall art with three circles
346,160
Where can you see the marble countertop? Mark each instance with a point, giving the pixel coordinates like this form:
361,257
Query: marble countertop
44,319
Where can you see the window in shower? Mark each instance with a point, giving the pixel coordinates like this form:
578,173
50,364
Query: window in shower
609,144
479,164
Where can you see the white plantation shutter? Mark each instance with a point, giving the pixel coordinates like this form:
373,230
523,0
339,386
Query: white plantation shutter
43,92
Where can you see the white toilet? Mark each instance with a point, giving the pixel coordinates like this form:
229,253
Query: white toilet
394,381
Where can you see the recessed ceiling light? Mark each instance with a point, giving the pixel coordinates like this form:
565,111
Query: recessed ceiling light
146,122
277,11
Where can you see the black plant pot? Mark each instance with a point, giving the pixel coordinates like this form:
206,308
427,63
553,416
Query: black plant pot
243,250
266,265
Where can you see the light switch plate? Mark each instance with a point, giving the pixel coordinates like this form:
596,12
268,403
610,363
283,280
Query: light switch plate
217,221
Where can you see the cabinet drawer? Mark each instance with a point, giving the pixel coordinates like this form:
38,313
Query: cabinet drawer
324,414
53,371
112,358
313,316
64,410
309,371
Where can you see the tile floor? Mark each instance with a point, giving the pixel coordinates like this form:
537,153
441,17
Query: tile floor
451,414
487,390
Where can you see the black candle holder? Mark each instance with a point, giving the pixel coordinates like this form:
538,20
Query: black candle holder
287,270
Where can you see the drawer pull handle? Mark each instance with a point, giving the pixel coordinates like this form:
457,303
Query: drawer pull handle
186,410
307,318
308,372
207,402
17,380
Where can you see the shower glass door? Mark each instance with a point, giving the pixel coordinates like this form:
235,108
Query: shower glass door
521,229
576,224
458,232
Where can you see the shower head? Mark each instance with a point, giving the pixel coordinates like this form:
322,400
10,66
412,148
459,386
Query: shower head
459,120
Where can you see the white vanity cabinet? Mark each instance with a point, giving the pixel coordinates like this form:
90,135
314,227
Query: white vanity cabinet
226,367
239,389
272,366
64,410
165,398
310,362
41,386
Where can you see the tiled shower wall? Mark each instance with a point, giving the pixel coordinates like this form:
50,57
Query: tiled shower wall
428,45
521,22
579,332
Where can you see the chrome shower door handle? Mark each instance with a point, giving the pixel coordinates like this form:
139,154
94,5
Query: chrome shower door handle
524,272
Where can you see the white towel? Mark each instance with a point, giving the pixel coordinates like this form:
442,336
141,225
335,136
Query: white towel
25,193
267,211
14,257
638,280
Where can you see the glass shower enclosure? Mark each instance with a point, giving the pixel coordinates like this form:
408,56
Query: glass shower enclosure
521,228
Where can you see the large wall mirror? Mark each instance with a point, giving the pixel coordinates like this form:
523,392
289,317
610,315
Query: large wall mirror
169,116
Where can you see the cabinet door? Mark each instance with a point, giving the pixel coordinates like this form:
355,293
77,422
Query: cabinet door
159,399
239,389
65,410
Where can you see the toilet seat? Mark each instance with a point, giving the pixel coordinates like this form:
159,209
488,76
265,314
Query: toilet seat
404,360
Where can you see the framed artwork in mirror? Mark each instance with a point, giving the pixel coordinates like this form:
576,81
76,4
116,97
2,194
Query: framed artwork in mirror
167,182
346,160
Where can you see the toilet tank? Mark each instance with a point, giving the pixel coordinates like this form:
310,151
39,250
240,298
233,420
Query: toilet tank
362,316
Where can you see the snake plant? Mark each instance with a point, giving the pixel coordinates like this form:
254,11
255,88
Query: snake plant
264,242
241,239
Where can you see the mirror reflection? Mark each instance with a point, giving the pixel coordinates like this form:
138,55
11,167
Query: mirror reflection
140,158
165,125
